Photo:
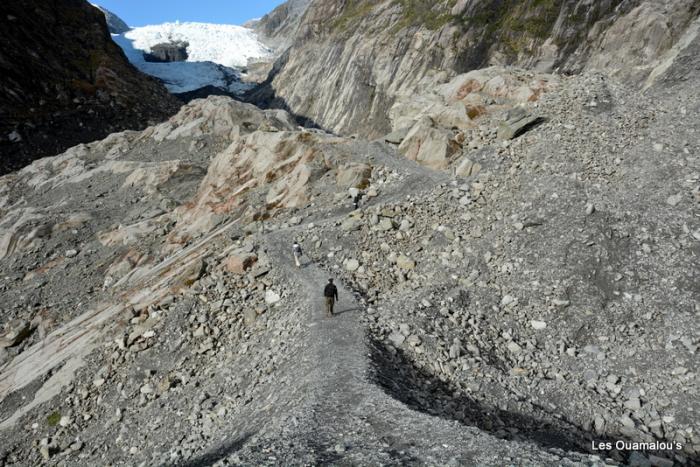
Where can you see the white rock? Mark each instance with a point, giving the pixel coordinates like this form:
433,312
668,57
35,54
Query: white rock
272,297
538,325
397,338
513,347
508,300
352,265
674,199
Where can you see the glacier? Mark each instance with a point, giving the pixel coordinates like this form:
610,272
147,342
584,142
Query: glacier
216,54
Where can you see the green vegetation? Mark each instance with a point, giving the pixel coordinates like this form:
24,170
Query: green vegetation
514,24
353,13
424,12
54,418
537,22
433,15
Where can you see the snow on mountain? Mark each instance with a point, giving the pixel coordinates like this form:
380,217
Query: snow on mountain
225,44
181,77
215,53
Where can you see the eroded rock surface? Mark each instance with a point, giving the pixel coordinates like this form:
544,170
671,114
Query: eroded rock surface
509,292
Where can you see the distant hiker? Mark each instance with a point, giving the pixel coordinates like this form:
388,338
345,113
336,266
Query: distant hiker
296,250
331,294
356,200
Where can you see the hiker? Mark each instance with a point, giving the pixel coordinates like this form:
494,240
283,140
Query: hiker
331,294
296,250
356,200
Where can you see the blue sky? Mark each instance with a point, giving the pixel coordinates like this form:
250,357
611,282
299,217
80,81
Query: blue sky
143,12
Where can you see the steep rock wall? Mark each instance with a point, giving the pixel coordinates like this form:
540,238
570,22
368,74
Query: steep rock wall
63,81
351,59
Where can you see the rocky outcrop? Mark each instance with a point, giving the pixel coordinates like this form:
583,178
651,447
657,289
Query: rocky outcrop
279,27
350,61
63,81
167,52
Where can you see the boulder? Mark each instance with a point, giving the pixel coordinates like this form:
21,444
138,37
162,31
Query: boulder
17,331
351,224
352,265
429,146
168,52
397,136
385,224
272,297
517,122
249,316
404,262
239,263
354,175
514,348
467,168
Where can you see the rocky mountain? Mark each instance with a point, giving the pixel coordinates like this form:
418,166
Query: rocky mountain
351,59
518,284
279,27
115,24
63,81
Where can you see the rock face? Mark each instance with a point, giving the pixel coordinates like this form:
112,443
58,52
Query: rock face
115,24
167,52
279,27
63,81
351,60
516,264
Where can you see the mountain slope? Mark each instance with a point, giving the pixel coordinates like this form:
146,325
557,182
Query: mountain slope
518,282
350,60
281,25
63,81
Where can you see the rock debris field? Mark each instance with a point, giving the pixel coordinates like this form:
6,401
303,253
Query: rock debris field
513,288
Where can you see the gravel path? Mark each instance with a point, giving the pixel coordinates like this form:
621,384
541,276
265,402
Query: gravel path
346,417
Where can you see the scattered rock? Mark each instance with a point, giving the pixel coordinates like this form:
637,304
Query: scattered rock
517,122
404,262
16,331
272,297
240,263
352,265
513,347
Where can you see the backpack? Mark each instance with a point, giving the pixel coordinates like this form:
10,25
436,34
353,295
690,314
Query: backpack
297,249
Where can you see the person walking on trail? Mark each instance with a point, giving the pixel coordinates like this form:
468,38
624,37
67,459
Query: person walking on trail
296,250
356,200
331,294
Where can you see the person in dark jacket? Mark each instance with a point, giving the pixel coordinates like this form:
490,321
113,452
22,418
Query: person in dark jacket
356,200
330,292
296,251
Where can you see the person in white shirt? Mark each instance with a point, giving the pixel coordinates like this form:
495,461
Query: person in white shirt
296,250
